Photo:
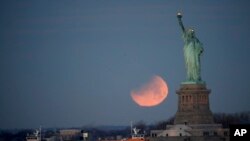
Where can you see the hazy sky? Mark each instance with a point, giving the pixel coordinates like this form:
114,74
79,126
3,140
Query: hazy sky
74,63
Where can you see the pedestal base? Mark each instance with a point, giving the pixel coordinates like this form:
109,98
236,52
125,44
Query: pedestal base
193,105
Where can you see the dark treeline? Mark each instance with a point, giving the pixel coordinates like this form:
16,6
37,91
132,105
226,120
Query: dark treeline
222,118
235,118
7,135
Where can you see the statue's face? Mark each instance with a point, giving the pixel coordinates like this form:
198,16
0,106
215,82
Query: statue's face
191,33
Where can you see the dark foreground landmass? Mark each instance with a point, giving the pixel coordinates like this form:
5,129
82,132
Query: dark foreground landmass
112,132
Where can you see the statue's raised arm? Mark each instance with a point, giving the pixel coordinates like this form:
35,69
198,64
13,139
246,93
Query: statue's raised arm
179,16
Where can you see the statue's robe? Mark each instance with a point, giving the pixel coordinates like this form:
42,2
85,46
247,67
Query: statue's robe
192,51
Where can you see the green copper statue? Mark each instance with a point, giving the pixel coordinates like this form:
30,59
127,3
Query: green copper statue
192,52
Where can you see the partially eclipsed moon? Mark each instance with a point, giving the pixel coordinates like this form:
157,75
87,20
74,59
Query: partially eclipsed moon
152,93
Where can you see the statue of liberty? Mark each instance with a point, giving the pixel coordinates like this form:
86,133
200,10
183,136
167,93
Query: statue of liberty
192,52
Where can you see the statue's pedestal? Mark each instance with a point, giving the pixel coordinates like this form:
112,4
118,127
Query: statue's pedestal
193,105
193,120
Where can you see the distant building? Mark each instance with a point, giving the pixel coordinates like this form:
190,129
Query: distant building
36,136
191,130
70,134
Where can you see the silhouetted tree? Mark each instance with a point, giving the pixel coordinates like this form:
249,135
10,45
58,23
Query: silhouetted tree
6,136
161,125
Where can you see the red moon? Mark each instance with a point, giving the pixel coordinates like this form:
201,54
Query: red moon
152,93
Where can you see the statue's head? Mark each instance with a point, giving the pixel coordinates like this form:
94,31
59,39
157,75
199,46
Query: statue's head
190,33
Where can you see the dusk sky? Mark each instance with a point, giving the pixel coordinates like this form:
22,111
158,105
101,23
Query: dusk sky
75,63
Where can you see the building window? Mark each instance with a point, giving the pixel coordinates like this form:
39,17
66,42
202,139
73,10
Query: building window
205,133
180,134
